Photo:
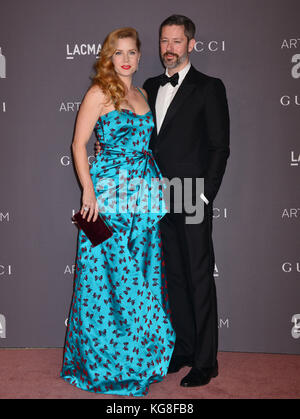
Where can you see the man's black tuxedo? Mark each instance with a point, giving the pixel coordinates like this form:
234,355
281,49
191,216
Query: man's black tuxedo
194,138
193,142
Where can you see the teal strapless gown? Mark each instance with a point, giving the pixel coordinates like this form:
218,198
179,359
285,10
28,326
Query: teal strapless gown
120,338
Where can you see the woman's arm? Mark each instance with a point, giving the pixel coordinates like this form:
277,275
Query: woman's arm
90,109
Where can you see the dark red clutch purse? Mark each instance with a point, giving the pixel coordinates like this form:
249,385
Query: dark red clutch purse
96,231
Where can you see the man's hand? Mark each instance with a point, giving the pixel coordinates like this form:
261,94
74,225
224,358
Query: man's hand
97,148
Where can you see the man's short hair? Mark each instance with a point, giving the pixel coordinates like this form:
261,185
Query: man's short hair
189,26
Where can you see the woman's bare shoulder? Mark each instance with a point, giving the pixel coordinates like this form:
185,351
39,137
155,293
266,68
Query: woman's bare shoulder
96,95
144,92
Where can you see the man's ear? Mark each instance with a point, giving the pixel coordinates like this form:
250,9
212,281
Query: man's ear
191,44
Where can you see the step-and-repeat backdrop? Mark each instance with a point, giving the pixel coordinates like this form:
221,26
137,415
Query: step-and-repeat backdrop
47,52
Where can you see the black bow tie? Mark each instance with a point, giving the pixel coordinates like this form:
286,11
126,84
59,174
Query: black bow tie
164,79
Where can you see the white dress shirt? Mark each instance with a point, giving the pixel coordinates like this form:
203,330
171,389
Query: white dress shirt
166,94
164,97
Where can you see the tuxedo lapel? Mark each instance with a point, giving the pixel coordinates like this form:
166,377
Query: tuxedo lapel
186,87
152,94
152,99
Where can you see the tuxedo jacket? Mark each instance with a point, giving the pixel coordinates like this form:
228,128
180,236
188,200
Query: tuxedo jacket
194,137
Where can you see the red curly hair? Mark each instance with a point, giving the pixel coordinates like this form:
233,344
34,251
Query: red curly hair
106,77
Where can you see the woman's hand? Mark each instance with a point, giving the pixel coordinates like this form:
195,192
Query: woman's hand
89,204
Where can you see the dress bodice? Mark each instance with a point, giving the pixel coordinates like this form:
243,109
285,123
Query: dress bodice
125,131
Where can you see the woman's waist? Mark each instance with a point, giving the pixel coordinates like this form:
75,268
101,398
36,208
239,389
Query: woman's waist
125,151
109,163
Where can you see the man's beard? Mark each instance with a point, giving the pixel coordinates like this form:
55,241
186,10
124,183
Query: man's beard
176,63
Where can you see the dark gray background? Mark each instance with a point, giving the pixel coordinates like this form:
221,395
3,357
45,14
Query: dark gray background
252,236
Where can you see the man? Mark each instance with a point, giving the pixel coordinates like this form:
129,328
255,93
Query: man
191,140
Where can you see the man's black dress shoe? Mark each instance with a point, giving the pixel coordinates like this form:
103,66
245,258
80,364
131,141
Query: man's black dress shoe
177,363
199,377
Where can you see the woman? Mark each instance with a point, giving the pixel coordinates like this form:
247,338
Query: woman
119,338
